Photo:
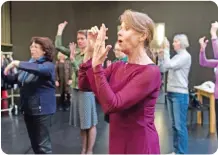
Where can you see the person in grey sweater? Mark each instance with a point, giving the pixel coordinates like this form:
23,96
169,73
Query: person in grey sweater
178,68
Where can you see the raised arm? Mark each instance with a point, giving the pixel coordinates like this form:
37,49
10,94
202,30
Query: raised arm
175,63
45,69
213,32
212,63
202,57
215,47
162,55
139,87
58,40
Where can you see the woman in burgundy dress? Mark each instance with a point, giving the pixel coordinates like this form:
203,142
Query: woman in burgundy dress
126,91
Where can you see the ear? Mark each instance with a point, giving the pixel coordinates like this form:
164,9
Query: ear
143,37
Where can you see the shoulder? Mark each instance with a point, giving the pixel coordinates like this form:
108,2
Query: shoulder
186,54
150,70
49,64
145,73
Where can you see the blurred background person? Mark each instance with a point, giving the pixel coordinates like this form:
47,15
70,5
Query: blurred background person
63,81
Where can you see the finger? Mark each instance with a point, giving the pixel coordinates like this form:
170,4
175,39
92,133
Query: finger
92,30
107,49
203,37
206,41
96,29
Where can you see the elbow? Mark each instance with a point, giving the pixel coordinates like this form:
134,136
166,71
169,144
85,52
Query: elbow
110,107
202,63
57,48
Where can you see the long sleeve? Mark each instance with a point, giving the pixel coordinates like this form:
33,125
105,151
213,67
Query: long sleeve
77,61
59,46
161,60
45,69
138,88
212,63
86,76
176,62
215,47
84,84
11,79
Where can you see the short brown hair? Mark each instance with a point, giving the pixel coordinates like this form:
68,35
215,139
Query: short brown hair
84,32
46,45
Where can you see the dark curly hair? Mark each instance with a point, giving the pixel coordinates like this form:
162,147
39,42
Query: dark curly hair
46,45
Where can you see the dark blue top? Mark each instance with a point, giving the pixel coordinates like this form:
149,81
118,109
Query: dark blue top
37,97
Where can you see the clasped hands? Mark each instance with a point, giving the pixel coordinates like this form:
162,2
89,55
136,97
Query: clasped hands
96,45
13,64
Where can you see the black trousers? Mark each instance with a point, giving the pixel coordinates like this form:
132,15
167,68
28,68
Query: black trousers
216,110
38,127
65,100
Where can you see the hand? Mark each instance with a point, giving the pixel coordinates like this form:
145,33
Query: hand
61,27
160,53
70,82
109,63
213,29
14,63
100,52
92,36
57,83
203,43
72,50
91,39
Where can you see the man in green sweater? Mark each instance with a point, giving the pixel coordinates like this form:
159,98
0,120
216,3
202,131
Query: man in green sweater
83,107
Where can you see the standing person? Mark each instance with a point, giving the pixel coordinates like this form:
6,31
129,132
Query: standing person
36,79
83,112
177,89
63,80
211,63
126,91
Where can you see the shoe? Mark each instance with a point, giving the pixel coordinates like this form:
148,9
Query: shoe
66,109
60,109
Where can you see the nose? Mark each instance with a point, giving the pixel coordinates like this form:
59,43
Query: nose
119,33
